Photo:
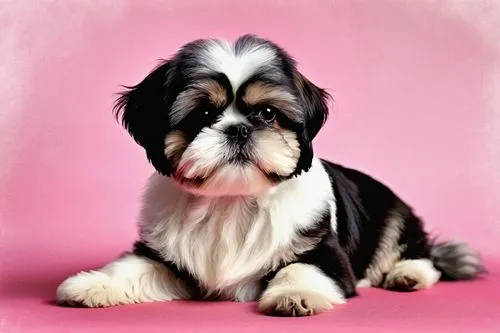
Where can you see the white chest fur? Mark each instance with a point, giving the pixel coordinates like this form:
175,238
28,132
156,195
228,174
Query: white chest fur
227,241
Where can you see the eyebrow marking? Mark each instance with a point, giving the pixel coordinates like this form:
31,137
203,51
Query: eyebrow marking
194,94
217,94
259,92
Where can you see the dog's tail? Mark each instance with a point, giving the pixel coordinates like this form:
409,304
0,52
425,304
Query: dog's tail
456,260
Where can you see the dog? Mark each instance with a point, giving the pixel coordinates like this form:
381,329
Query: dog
240,208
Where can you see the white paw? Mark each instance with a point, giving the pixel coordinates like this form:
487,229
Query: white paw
89,289
408,275
295,303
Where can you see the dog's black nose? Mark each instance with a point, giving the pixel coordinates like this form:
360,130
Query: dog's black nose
239,133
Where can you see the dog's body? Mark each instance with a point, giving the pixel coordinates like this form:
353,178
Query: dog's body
240,209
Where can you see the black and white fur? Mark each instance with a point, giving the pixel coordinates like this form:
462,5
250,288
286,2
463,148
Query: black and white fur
241,209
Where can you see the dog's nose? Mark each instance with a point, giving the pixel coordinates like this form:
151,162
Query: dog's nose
238,132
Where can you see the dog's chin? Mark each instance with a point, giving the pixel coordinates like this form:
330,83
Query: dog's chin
232,179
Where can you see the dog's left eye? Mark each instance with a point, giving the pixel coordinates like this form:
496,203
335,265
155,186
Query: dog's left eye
267,112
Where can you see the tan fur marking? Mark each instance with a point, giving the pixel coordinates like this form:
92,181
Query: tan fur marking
175,144
261,93
278,151
190,98
387,252
216,93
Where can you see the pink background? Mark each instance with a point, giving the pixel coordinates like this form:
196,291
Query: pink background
415,85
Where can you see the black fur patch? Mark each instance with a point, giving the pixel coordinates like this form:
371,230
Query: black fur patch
363,205
143,113
329,256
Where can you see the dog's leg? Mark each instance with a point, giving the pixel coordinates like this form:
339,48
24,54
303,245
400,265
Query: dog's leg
130,279
318,280
412,274
448,260
300,290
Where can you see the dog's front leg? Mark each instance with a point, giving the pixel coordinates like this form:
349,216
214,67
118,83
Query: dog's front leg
129,279
320,279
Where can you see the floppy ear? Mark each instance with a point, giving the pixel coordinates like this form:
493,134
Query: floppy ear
314,102
143,110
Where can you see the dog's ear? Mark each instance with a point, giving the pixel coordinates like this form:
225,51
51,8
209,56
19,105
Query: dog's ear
314,101
143,110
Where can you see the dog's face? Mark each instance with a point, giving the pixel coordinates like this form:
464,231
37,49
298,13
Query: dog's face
226,119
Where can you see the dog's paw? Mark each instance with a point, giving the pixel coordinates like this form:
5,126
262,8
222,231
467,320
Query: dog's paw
291,304
410,275
88,289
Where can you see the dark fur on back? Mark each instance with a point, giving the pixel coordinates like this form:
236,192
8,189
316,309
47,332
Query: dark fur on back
363,204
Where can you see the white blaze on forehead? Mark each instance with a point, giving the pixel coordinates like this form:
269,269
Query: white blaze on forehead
220,56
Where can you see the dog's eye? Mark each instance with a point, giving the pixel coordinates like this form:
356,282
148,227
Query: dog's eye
267,112
206,110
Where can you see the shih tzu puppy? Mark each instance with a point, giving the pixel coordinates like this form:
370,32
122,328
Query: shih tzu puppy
241,209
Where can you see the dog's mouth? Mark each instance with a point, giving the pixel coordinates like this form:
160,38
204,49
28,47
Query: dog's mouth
192,182
196,181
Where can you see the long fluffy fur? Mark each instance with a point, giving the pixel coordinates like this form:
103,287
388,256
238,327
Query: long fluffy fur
241,209
456,260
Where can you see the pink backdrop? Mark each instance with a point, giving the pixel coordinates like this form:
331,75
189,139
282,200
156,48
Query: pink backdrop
415,85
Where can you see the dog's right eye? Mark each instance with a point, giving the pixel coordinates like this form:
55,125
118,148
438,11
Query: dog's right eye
203,115
206,110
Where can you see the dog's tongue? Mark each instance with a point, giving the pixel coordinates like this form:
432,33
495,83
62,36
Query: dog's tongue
189,171
183,170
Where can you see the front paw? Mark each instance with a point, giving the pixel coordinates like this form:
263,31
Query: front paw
87,289
294,303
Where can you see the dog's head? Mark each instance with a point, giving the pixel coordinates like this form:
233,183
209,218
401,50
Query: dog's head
226,119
